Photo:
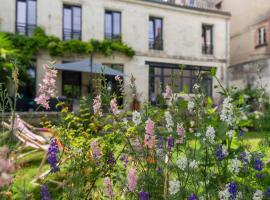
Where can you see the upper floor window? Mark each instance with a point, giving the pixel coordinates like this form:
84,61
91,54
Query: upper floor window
112,25
207,39
261,37
155,33
26,16
72,22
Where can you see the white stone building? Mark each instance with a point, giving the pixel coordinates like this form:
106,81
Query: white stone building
163,33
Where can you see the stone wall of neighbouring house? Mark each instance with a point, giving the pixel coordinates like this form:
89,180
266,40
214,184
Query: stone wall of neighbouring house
251,74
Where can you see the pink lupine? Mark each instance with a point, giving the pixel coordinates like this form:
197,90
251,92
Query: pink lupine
168,93
97,105
47,89
95,149
114,106
117,78
150,138
181,133
6,167
108,187
132,179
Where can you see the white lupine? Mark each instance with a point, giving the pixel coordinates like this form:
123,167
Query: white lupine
136,118
258,195
182,162
191,105
235,165
174,187
210,134
230,133
193,164
224,195
169,121
227,114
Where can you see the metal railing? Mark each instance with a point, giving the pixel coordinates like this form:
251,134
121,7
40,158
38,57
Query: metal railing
70,34
155,43
114,37
207,49
25,29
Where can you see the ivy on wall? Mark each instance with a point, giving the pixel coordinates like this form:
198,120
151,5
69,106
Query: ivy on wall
29,46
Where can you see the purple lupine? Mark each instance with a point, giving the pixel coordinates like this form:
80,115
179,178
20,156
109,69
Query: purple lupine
259,175
258,164
232,188
45,195
192,196
144,195
111,159
124,159
267,193
219,153
241,133
170,142
52,155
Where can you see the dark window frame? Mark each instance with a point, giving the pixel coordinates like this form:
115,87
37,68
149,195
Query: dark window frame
72,31
207,49
63,80
154,43
28,28
259,43
112,35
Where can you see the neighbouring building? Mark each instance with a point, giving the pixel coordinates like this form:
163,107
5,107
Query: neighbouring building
250,37
164,34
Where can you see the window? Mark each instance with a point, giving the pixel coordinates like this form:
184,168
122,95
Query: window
26,17
207,39
71,82
72,23
112,25
180,79
155,33
118,67
262,39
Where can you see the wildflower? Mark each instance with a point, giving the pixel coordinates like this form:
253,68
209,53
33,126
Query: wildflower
258,195
132,179
52,155
182,163
47,89
114,107
174,187
224,195
258,165
221,152
191,106
117,78
181,133
193,164
6,167
95,150
168,93
169,121
241,133
124,159
108,187
235,165
232,188
196,86
144,195
192,196
267,193
170,142
45,195
111,159
136,118
150,138
227,114
245,157
97,105
210,134
230,133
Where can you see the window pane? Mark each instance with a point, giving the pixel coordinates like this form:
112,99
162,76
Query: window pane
108,23
116,23
21,12
151,29
158,28
32,12
77,18
67,18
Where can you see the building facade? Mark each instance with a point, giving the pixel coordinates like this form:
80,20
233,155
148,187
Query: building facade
250,50
164,34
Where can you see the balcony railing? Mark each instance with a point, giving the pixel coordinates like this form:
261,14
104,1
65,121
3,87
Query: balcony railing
114,37
25,29
156,43
207,49
206,4
70,34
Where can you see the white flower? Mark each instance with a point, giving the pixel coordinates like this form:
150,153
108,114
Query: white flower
192,123
182,162
230,133
191,106
193,164
169,121
136,118
258,195
227,114
235,165
224,195
174,187
196,86
210,134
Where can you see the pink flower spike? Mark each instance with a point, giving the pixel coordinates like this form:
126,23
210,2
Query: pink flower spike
132,179
150,138
97,105
114,107
108,187
168,93
117,78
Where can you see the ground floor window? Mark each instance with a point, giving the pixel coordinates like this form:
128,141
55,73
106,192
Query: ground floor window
180,78
71,84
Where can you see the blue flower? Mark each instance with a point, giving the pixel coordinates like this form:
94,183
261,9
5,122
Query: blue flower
144,195
170,142
258,165
267,193
45,195
192,196
219,153
232,188
111,159
259,176
52,155
124,159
